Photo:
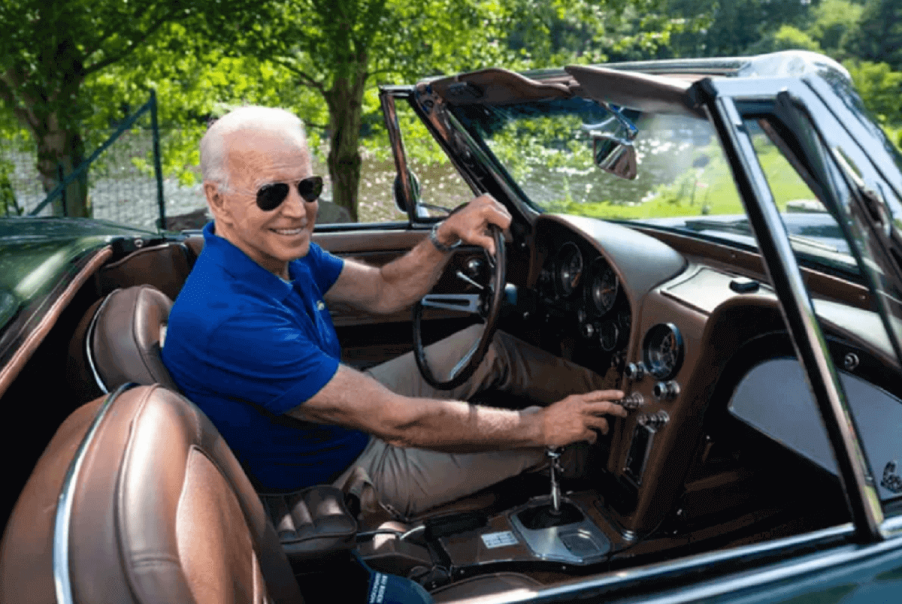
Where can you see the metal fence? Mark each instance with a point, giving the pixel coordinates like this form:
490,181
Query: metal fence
125,182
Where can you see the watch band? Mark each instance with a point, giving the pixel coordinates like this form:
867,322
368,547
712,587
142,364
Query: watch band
433,237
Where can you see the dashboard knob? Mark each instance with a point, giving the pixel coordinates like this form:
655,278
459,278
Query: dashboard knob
587,330
655,421
632,401
666,390
634,371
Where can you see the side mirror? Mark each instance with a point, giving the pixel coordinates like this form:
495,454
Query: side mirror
406,197
615,153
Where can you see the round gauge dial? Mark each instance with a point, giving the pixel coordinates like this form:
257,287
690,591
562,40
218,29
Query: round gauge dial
608,335
569,268
663,350
624,321
604,287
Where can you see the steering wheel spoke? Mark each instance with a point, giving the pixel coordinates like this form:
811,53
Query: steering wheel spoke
486,304
470,303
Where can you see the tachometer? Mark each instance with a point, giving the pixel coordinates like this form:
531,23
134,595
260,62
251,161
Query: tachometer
569,268
663,350
605,285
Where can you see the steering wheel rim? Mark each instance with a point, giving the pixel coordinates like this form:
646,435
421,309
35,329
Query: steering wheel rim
491,307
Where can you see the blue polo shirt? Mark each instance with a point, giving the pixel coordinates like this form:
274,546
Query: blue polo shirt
246,346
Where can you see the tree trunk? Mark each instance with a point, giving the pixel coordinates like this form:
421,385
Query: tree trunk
60,152
48,109
345,102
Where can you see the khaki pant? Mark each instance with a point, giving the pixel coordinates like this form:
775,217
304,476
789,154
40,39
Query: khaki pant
411,480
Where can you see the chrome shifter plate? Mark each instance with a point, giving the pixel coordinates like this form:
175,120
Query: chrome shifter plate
577,543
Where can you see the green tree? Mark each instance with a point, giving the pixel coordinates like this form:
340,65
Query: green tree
340,48
50,49
879,87
831,24
195,80
787,37
735,25
878,37
335,47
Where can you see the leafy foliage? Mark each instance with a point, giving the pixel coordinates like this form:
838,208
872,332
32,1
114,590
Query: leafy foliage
49,50
71,69
878,36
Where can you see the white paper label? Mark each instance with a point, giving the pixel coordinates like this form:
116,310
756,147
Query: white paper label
502,539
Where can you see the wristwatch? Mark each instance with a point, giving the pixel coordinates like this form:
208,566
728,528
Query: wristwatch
433,237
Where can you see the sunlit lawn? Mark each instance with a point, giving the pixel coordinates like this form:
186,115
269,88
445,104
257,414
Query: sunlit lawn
710,192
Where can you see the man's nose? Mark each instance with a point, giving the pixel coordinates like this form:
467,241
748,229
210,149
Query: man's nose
294,205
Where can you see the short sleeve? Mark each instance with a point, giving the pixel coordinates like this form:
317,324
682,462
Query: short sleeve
267,360
323,266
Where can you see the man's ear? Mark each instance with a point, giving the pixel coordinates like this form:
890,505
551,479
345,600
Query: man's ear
216,201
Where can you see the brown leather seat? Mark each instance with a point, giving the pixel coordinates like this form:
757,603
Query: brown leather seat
126,336
154,508
124,342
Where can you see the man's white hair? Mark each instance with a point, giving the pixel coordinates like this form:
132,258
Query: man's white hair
213,153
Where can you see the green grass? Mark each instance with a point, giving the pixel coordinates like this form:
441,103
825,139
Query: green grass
711,191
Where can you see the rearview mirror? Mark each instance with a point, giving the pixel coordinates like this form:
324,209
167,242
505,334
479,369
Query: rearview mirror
615,155
615,152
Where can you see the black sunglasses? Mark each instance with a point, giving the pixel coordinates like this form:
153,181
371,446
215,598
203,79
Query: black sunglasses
271,196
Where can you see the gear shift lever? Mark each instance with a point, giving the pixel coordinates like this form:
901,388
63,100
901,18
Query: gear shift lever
554,457
557,512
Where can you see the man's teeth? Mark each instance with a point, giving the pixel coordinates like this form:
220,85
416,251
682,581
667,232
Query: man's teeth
288,231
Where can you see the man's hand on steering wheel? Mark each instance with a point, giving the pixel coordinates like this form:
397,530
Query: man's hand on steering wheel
470,223
479,223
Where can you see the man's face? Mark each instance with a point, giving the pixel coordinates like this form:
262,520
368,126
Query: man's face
273,238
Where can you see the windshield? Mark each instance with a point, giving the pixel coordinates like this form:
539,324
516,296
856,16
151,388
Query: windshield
684,182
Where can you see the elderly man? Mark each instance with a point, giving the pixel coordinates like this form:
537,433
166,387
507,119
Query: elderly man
251,342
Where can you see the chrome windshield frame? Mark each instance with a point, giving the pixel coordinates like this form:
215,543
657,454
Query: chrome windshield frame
721,97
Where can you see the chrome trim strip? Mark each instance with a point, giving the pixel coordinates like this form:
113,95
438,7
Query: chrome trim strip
892,527
798,312
62,521
89,335
778,571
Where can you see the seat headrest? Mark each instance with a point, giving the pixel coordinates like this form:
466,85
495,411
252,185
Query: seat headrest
126,338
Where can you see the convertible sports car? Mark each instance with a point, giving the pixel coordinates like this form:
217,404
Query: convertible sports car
721,239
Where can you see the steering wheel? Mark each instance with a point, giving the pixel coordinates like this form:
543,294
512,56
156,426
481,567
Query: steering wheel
486,304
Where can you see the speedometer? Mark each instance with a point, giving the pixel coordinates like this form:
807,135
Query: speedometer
569,267
603,289
663,350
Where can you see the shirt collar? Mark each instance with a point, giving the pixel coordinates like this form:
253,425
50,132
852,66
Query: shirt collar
235,262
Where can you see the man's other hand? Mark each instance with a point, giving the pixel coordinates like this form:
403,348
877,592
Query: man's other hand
577,417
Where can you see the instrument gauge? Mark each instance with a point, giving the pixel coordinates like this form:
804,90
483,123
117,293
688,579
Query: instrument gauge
663,350
608,336
569,267
624,321
604,287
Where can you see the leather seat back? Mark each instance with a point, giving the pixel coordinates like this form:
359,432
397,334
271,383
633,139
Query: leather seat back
159,510
126,337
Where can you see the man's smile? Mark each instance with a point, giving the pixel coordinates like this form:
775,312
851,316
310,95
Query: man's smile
289,232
